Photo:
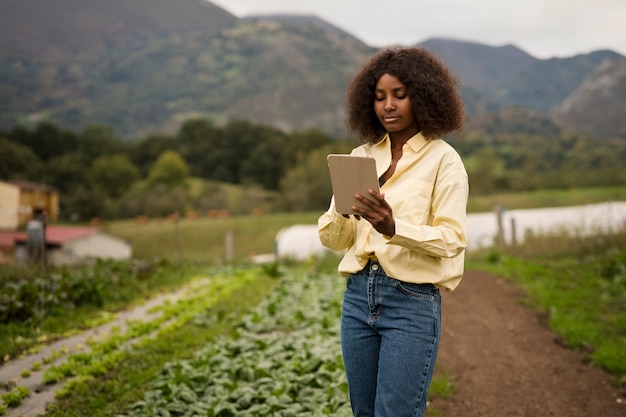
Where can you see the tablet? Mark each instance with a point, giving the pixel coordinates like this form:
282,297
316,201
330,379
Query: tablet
350,175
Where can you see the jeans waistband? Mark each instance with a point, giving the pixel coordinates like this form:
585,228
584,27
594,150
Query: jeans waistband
373,266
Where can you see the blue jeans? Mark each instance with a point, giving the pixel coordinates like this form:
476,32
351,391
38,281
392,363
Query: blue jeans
390,334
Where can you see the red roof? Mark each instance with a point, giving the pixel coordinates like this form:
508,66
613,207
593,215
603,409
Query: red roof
55,235
7,239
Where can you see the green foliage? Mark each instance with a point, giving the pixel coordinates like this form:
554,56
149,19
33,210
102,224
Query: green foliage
169,170
15,397
284,358
306,186
18,161
441,386
114,174
522,162
84,203
26,291
196,169
32,304
216,305
67,172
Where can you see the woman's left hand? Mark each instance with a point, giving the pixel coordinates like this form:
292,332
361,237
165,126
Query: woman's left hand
377,212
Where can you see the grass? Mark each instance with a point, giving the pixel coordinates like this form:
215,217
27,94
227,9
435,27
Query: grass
204,239
546,198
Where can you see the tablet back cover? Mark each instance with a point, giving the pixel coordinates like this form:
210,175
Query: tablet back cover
350,175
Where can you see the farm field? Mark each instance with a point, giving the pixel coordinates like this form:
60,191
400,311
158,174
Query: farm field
282,357
205,239
262,340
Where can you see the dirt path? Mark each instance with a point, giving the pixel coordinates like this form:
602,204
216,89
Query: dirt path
504,362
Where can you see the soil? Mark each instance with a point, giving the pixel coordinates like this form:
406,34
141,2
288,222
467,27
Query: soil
503,360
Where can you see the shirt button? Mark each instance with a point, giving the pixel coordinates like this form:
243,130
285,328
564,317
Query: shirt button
375,267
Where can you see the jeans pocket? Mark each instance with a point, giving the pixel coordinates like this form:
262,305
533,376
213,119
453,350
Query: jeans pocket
424,291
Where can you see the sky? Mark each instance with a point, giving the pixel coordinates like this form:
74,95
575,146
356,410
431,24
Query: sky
542,28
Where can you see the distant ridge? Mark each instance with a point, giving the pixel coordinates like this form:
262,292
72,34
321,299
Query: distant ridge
146,66
303,19
44,29
478,65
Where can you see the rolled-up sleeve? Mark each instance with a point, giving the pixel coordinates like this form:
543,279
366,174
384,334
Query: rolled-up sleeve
335,231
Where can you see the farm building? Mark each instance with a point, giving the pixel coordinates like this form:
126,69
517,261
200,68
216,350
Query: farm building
22,201
65,245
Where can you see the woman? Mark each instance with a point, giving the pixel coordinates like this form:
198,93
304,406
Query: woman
407,244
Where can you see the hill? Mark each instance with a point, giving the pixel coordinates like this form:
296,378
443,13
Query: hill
588,104
45,31
145,66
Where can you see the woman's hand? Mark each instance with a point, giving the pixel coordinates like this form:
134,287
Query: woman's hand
377,212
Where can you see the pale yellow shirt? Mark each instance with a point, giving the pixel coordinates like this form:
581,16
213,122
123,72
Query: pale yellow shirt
428,195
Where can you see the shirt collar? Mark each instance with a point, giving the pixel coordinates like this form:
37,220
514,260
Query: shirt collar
416,142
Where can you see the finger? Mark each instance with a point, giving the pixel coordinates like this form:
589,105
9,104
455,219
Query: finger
366,201
380,197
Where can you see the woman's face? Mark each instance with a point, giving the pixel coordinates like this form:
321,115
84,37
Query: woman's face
393,107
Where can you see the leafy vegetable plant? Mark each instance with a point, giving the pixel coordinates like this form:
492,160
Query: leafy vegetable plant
283,359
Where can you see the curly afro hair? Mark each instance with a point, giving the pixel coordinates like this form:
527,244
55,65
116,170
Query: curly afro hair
431,85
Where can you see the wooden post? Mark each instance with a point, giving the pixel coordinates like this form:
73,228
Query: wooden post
499,210
230,245
513,232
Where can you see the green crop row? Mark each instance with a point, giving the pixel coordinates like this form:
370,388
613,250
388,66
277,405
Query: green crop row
283,359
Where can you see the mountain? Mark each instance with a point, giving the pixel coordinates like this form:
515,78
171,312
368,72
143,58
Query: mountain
146,66
310,20
186,59
588,104
480,66
496,77
544,84
45,30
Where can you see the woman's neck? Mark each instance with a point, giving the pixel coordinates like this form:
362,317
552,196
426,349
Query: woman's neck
398,139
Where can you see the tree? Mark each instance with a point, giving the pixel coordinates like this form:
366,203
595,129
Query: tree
169,170
302,142
46,141
264,164
96,141
198,142
18,162
113,174
146,151
83,203
307,186
485,171
67,172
